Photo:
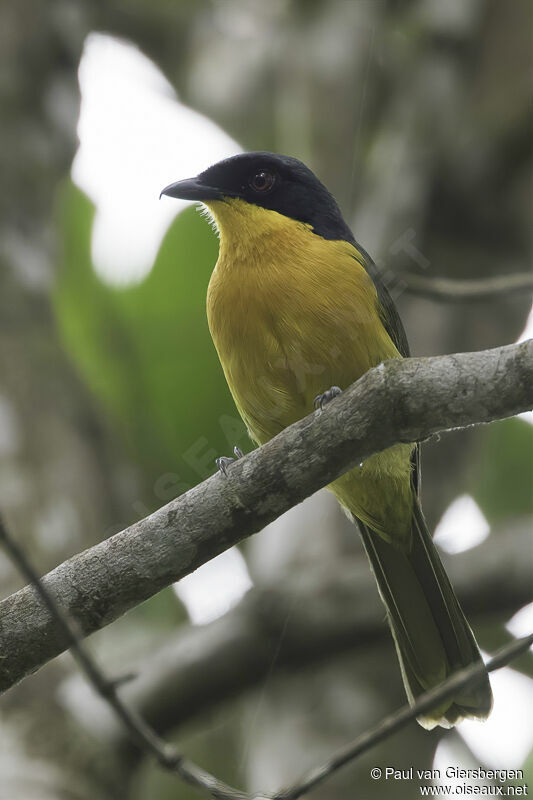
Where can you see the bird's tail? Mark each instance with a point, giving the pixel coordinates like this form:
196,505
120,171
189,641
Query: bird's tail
432,637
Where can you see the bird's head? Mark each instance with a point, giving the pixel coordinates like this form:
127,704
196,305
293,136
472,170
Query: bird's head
267,181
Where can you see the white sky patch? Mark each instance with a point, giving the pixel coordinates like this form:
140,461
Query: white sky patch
506,738
462,526
135,138
215,587
521,624
450,753
526,334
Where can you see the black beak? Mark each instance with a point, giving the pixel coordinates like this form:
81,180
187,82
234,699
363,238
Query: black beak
192,189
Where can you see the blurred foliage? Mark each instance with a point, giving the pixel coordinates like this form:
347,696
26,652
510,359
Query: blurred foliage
145,350
503,480
161,614
213,742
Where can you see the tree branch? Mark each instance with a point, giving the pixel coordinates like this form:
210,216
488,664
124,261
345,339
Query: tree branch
465,290
399,401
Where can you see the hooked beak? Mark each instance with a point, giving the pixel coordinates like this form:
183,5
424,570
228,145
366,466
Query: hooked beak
192,189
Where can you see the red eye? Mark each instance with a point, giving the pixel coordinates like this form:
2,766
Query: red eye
262,181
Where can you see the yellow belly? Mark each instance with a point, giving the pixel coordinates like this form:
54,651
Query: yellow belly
290,323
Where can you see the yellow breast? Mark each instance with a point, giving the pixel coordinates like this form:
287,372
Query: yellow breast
290,313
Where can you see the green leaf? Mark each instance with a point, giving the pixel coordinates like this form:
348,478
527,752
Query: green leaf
146,352
502,486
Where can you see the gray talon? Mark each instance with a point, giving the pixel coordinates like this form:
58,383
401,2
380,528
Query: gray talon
223,462
323,399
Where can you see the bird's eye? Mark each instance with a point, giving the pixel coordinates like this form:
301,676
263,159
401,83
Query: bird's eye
262,181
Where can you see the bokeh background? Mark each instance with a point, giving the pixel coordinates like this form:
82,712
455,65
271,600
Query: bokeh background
417,115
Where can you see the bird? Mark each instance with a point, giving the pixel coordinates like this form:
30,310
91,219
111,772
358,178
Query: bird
297,312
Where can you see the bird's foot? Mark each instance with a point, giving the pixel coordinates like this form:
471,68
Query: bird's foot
322,400
224,461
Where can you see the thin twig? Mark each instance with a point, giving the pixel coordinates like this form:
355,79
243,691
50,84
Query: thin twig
466,290
399,719
169,758
146,738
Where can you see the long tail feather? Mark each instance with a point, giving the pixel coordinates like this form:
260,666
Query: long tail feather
432,637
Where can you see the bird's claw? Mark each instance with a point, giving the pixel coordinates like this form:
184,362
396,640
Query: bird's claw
323,399
223,462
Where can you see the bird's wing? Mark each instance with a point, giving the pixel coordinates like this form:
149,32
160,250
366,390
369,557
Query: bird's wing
394,327
389,315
